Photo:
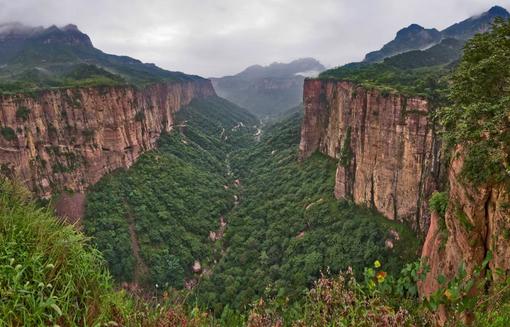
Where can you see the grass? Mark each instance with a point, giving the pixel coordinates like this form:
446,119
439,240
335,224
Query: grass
49,274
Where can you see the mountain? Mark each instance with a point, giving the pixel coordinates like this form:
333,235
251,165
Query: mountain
476,24
268,90
415,37
92,113
37,57
445,52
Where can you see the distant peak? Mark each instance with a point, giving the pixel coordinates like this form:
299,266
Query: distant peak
413,29
415,26
70,27
498,11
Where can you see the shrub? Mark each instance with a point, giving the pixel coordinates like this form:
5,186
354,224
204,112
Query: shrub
439,203
22,113
8,133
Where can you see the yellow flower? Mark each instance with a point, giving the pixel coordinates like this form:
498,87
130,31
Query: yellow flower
448,294
381,275
377,264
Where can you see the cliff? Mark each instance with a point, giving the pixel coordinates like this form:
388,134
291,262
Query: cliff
67,139
387,150
476,222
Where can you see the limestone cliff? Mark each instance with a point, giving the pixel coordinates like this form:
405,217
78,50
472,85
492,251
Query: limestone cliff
387,150
68,139
476,222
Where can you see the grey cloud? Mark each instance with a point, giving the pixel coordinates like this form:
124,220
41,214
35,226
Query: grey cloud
215,38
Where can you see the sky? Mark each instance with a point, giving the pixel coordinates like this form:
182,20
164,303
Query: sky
214,38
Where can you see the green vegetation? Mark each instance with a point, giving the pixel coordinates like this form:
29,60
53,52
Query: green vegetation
478,118
172,197
438,202
22,113
32,64
288,227
422,81
414,73
8,133
49,275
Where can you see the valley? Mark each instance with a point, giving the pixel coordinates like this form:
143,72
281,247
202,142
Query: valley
375,193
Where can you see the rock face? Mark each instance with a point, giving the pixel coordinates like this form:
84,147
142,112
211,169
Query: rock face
477,221
387,150
68,139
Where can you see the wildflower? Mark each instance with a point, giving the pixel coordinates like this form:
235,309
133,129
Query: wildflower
381,276
377,264
448,294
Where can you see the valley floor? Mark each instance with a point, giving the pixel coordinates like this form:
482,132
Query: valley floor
282,226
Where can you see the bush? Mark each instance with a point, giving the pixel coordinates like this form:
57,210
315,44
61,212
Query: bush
8,133
478,116
22,113
439,203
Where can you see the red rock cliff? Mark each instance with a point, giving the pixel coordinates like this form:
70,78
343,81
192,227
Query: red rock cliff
476,221
68,139
388,153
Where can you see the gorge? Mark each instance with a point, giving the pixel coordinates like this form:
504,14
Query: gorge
381,200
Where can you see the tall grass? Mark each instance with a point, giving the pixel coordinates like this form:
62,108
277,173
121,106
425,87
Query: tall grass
48,273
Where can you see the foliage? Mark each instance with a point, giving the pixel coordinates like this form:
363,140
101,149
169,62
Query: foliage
443,53
438,202
478,119
22,113
48,272
428,82
8,133
172,197
32,65
288,227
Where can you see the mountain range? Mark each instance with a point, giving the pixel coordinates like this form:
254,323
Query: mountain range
37,57
268,90
416,37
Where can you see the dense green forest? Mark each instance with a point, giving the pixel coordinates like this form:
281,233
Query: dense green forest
419,72
171,198
289,228
284,229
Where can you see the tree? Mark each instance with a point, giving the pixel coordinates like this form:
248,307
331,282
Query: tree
478,118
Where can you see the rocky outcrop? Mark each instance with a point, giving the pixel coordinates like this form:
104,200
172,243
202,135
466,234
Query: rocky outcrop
477,221
68,139
387,150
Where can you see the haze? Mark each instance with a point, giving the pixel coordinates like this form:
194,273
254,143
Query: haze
222,37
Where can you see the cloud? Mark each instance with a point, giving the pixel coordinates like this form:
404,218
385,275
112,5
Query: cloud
220,37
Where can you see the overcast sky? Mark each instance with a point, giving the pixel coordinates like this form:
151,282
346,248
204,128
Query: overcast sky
220,37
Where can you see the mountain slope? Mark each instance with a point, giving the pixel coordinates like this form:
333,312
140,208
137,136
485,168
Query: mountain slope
270,90
415,37
476,24
35,57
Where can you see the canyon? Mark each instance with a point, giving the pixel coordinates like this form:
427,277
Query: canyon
67,139
388,154
390,158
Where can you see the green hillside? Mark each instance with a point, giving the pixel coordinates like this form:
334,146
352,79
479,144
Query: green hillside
65,57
